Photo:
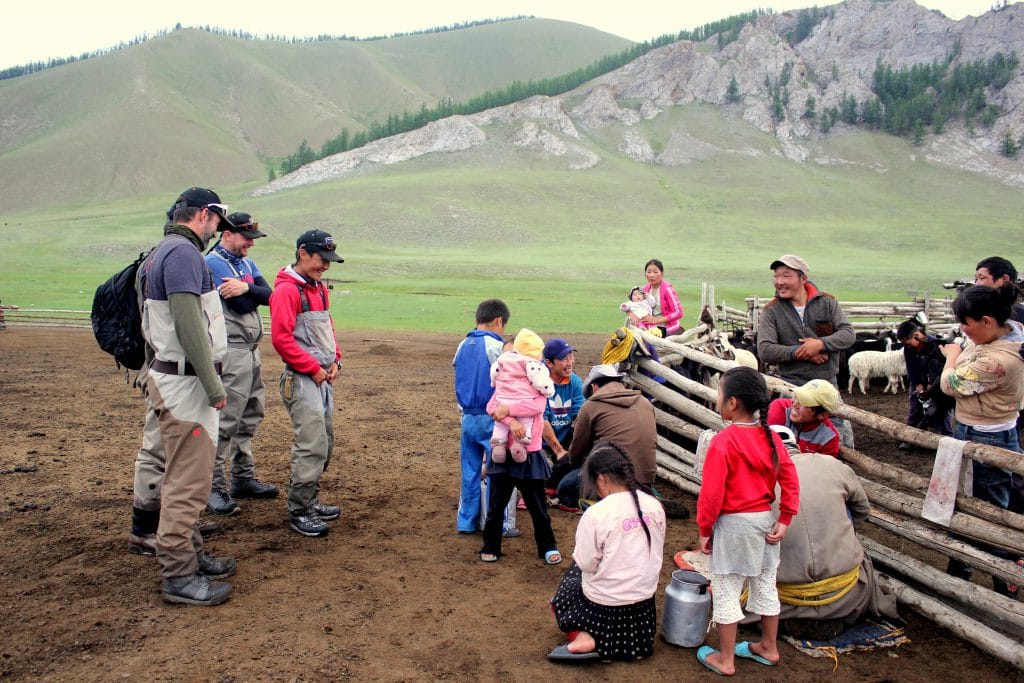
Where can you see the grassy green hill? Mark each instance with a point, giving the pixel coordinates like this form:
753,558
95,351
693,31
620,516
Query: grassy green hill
196,107
425,241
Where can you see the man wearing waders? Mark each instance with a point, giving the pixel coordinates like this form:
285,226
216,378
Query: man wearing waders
302,332
242,291
183,325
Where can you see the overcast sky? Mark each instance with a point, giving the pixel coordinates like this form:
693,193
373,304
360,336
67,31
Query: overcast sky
40,30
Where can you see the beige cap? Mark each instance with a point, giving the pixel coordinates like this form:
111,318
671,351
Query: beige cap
599,371
818,392
791,261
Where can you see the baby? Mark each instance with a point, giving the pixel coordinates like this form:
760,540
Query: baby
523,384
640,304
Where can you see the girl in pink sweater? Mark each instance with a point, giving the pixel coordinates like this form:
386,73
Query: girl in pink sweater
523,384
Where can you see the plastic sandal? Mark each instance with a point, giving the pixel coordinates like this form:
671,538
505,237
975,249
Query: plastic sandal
553,557
488,557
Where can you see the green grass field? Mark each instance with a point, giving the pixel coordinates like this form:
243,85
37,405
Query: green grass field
425,241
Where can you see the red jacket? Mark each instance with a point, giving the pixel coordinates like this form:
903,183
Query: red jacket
285,306
739,477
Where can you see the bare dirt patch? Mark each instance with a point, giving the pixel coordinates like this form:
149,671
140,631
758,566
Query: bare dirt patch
392,593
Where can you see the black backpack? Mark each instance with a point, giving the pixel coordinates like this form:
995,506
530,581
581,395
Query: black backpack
117,317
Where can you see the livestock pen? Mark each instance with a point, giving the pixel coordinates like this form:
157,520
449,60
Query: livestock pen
991,621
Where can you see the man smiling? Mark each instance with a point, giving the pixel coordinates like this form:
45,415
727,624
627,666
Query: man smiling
803,330
302,332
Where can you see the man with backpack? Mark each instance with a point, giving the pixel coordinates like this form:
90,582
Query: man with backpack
183,327
243,290
302,332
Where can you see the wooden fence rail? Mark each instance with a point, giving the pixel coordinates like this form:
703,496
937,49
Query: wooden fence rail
993,623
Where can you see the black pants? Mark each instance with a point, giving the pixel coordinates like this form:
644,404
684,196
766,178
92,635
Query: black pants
500,489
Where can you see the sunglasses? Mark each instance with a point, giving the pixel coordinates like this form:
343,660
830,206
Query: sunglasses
327,245
221,209
251,225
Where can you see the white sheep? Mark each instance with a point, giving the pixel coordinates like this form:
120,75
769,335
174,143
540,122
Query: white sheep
867,364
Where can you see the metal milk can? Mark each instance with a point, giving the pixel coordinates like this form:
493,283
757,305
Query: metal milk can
687,611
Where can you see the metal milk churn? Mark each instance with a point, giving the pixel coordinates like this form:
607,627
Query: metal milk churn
687,609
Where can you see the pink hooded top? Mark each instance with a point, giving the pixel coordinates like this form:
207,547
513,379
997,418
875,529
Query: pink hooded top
523,384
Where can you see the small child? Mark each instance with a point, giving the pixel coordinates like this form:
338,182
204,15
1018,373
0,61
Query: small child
523,383
640,305
737,527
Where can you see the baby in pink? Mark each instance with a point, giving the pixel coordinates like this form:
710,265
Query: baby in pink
523,384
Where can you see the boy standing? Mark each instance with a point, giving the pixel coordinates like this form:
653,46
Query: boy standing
473,390
302,332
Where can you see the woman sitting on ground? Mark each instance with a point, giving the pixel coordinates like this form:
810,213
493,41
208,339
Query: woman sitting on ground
605,602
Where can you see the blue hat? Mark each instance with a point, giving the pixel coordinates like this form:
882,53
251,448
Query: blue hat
557,349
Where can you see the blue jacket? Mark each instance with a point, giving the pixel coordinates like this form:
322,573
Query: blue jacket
472,364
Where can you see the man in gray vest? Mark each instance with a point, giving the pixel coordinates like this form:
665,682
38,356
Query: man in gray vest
243,289
183,325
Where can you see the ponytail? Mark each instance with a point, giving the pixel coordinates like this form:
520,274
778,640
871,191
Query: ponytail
608,459
748,387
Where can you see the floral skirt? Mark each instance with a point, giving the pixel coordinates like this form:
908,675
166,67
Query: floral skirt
624,632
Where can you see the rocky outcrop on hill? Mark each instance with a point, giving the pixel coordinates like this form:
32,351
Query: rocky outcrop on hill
835,61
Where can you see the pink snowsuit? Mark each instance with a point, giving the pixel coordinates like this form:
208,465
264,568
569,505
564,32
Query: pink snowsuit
524,385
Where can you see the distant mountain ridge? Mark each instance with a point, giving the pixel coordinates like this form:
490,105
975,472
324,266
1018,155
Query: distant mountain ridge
193,106
835,60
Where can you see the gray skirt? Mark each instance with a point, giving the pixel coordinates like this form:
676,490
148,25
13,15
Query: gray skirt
738,545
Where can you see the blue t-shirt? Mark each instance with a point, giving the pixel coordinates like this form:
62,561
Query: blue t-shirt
246,270
175,266
563,407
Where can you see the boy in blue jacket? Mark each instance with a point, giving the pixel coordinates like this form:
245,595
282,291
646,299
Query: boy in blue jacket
473,389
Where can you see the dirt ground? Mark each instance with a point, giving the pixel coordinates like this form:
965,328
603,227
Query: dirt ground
393,593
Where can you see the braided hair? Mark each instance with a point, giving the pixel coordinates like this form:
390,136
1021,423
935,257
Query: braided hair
608,458
748,387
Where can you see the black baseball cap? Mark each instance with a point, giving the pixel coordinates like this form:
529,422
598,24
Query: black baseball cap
243,224
320,242
201,198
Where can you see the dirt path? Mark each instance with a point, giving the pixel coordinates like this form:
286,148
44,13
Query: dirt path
393,593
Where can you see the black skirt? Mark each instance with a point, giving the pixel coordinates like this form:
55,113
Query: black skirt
623,632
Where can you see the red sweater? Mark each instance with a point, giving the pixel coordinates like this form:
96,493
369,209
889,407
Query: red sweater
285,306
739,477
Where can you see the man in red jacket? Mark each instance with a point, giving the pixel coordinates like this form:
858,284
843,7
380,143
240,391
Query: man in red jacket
302,332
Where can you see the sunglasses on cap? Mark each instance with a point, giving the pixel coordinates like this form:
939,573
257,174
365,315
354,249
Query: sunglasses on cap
327,245
221,209
248,227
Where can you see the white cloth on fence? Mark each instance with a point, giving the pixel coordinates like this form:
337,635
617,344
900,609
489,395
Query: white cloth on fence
703,444
951,473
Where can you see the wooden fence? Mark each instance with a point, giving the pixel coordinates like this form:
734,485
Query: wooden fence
991,621
865,316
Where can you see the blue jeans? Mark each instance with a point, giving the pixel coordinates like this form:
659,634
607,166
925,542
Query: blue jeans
991,483
476,442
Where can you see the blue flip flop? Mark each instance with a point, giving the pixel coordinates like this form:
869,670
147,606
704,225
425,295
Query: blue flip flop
743,650
552,557
703,653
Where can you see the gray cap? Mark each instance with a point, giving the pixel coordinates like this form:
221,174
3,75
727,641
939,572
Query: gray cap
790,261
598,372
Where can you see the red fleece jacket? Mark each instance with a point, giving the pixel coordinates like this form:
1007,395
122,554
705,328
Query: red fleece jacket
285,306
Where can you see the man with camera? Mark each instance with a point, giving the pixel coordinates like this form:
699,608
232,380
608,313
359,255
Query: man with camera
927,407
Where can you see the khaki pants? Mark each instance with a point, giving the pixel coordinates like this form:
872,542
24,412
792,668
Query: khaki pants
188,427
311,410
243,380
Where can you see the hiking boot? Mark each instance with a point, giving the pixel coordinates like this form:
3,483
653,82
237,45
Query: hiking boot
252,488
216,567
142,545
208,527
308,523
325,512
221,503
195,589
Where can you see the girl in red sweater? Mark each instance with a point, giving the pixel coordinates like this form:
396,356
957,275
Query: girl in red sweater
736,523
